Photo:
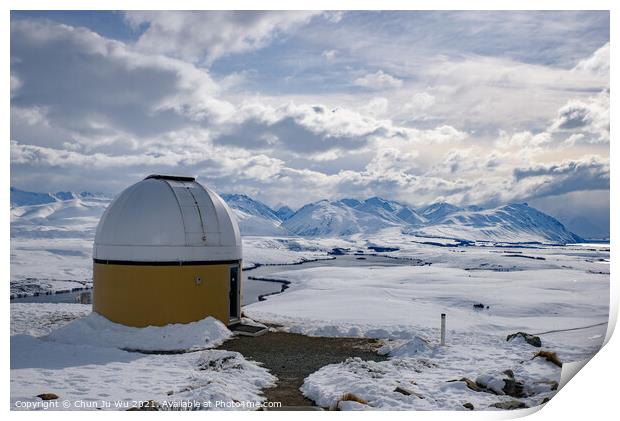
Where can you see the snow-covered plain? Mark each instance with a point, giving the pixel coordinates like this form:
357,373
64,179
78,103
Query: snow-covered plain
540,290
530,288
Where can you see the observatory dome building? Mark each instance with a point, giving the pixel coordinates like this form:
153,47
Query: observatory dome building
167,250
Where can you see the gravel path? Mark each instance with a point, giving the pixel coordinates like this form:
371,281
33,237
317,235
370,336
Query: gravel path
292,357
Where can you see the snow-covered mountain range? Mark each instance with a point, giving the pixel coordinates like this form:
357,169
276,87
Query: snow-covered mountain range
65,214
254,217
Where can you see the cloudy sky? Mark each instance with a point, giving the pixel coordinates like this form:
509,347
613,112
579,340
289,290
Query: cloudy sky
290,107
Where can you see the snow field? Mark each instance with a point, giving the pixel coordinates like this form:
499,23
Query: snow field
80,361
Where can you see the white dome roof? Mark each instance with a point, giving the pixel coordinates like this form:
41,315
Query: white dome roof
167,219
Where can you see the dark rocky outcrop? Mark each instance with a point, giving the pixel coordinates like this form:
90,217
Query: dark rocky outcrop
47,396
511,387
530,339
510,405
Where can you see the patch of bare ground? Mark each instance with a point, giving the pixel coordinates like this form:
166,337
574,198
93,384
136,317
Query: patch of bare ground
292,357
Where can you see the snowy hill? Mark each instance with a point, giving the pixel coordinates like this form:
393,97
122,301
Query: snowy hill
77,217
254,217
388,210
351,216
511,223
333,218
284,213
438,210
68,214
516,222
23,198
27,198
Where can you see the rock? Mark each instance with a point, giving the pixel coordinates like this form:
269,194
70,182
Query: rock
338,251
510,405
403,391
491,383
470,383
347,397
408,392
479,306
469,406
544,401
48,396
553,385
502,383
513,388
549,356
530,339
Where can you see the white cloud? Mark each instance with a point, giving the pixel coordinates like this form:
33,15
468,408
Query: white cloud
578,122
524,139
329,54
392,160
108,89
196,36
376,107
588,117
15,83
333,16
122,111
550,179
483,93
31,115
378,81
420,102
597,63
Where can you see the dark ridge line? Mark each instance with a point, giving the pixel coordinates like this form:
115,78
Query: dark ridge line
257,265
40,294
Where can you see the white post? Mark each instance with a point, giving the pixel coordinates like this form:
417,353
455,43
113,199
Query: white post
443,328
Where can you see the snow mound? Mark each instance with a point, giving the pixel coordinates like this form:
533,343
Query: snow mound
96,330
226,377
413,348
493,382
374,382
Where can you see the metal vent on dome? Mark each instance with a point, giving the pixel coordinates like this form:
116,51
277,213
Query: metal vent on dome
170,177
